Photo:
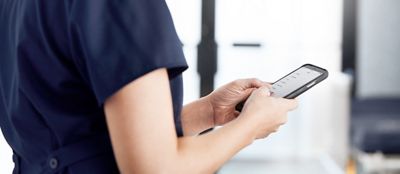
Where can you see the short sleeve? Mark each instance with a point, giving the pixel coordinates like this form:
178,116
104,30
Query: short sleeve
114,42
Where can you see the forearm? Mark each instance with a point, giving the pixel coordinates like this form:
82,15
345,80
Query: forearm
208,152
197,116
141,126
199,154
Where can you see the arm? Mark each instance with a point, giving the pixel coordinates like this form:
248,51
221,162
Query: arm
197,117
144,138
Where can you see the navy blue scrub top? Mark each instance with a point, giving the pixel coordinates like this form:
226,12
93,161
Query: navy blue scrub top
59,62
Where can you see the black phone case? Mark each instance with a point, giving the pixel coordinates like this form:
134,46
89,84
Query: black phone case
300,90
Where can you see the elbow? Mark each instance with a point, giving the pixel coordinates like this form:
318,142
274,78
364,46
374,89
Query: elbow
176,162
173,166
153,166
185,165
153,170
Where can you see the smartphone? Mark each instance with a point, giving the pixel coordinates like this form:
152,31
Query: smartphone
296,82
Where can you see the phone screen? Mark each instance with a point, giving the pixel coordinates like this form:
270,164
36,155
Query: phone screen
294,81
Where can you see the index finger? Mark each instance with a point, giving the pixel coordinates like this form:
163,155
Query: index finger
253,83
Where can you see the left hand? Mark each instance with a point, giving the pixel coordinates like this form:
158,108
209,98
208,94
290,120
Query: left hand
224,99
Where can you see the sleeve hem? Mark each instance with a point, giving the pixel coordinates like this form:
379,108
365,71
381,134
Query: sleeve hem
173,70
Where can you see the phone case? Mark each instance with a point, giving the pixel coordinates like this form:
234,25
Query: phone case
302,89
305,87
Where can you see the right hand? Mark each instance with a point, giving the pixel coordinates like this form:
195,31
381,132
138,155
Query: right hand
266,113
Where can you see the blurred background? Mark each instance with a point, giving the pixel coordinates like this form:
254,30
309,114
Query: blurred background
350,123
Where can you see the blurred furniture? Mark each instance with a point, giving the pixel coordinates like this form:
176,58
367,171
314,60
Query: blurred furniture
376,125
377,163
375,122
375,134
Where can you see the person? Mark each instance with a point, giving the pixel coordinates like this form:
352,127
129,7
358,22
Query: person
95,86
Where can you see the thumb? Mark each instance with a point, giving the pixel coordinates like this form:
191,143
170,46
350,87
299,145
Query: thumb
246,93
264,90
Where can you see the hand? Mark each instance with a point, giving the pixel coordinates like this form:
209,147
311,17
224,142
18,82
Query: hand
224,99
266,113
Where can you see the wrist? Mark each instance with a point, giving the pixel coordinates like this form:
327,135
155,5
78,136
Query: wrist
197,116
208,110
249,125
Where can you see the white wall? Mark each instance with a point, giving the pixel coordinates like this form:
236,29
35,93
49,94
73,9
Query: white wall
292,32
379,48
187,15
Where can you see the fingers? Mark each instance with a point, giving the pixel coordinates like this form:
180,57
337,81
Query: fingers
291,104
252,83
269,84
247,92
247,86
264,90
236,114
264,136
